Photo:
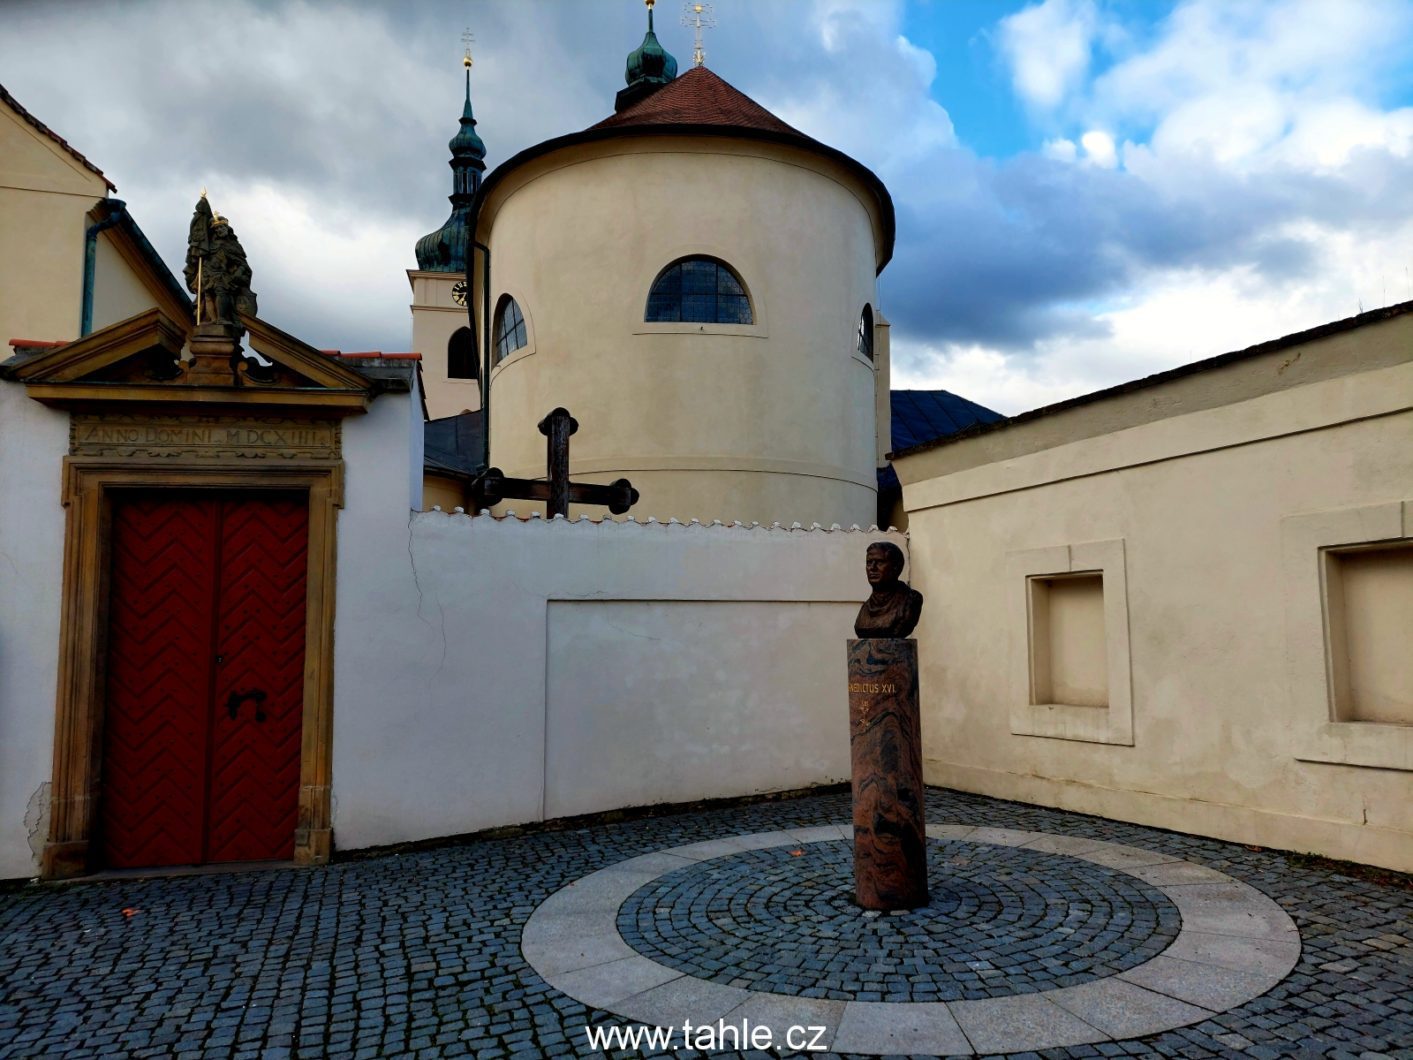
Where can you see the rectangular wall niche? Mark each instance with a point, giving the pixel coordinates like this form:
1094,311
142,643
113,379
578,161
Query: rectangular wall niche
1068,649
1347,617
1369,603
1071,675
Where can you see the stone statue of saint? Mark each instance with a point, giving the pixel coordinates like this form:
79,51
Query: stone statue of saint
892,609
216,269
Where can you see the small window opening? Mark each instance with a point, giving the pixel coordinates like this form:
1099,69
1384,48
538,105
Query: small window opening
865,337
461,355
510,328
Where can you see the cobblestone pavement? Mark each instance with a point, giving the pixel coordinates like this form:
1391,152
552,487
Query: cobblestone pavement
418,953
1002,922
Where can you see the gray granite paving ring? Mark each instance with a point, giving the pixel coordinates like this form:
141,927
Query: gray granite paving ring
1031,941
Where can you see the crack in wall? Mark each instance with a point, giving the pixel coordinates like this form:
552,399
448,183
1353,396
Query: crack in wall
37,820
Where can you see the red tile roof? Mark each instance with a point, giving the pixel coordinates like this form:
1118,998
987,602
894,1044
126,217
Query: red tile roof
699,103
14,105
375,353
699,97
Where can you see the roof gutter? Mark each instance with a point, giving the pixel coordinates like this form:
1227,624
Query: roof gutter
113,213
117,211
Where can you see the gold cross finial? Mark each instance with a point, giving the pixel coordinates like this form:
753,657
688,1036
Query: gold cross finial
467,39
698,15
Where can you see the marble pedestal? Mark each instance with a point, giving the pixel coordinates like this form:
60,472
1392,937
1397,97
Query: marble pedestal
885,745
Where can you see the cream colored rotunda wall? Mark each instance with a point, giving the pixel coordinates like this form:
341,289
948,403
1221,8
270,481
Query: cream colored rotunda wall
45,196
774,421
435,318
1206,516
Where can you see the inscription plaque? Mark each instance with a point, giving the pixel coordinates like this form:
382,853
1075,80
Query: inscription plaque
204,437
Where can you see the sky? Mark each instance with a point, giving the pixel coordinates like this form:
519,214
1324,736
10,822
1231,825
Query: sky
1087,191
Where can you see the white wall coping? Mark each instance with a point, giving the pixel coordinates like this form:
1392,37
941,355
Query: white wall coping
537,517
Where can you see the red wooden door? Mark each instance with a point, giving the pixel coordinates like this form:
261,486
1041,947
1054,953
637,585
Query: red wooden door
205,678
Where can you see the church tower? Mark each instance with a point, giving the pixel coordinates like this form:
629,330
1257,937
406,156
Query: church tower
695,280
441,330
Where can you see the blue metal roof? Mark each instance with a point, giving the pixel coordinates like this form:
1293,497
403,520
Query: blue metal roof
921,416
453,444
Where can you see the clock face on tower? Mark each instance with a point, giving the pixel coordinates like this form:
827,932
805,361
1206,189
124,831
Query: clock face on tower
458,292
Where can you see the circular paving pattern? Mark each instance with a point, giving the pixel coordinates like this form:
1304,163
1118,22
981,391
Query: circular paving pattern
1001,921
1031,941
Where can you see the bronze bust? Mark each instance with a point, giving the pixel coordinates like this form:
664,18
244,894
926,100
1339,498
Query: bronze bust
892,609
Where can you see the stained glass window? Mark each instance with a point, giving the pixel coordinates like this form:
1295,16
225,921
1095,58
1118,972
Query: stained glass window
509,329
699,290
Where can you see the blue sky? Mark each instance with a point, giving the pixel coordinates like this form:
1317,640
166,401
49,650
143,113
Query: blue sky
972,82
1088,191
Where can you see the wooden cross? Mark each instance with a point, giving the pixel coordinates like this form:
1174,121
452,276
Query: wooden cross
491,486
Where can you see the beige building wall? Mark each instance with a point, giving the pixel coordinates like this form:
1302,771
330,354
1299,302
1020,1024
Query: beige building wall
45,196
435,318
46,199
1246,530
773,421
882,389
119,290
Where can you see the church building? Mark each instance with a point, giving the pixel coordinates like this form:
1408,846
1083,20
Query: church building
694,279
233,625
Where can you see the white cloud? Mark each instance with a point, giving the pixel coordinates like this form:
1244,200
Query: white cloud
1173,318
1099,148
887,119
1048,49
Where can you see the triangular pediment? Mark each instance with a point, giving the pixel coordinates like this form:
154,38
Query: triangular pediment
151,358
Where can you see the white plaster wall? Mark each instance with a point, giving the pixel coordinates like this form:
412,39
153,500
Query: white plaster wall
675,700
33,440
499,671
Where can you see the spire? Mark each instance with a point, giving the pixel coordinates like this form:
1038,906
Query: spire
445,249
649,67
697,15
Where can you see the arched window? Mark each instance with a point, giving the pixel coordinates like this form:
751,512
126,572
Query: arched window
865,337
461,355
699,290
510,328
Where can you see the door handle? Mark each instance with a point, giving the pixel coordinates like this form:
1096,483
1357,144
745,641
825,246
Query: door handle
255,695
